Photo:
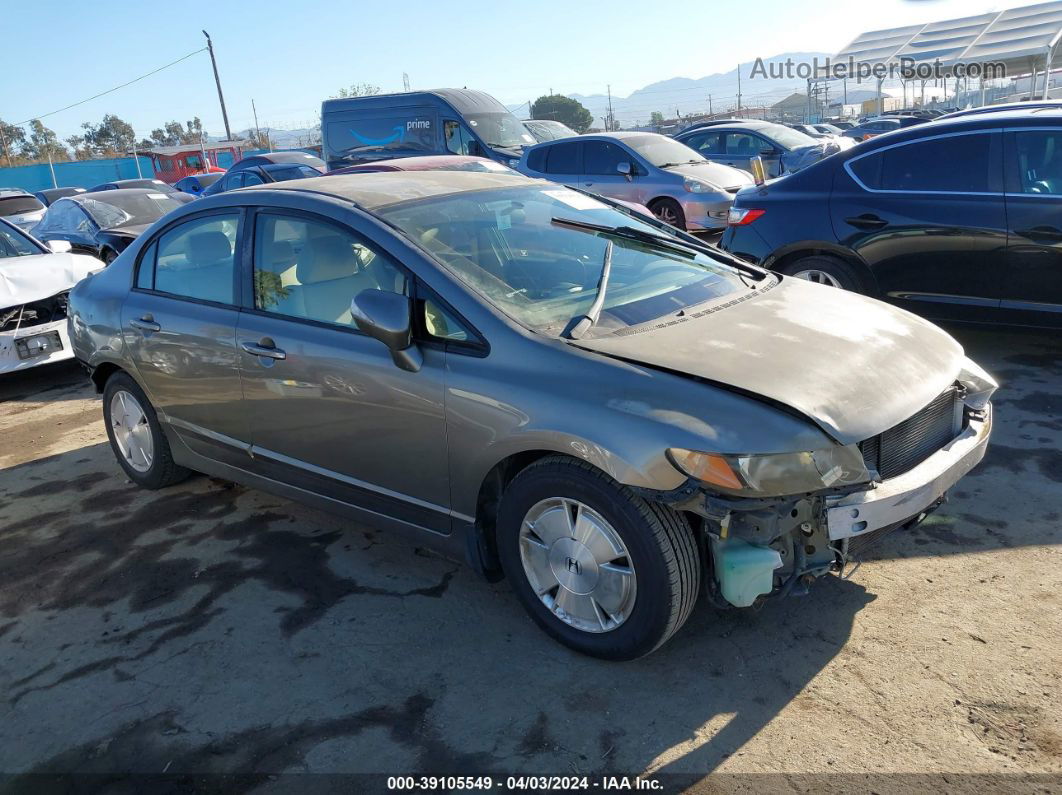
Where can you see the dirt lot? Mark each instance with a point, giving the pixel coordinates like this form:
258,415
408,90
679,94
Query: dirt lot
208,628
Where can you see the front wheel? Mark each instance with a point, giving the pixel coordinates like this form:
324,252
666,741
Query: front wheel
597,567
670,212
136,436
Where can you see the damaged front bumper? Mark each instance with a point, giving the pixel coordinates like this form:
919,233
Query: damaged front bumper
778,546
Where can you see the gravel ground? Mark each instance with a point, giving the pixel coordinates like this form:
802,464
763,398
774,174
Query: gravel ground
210,629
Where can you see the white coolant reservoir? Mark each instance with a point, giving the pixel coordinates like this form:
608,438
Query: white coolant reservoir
744,571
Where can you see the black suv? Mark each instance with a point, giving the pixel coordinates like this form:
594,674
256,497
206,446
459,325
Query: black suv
959,219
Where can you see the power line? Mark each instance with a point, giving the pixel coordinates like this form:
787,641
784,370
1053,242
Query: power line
111,90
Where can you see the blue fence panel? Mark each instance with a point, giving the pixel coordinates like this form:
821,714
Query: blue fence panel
79,174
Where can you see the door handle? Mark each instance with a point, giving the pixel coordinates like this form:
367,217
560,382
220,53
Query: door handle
259,349
1042,234
145,323
866,221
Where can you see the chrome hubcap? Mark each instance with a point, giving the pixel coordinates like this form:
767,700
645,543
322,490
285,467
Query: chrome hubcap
132,434
577,564
819,277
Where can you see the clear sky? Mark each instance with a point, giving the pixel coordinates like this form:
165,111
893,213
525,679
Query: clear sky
289,56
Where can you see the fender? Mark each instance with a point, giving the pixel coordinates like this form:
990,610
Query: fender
782,253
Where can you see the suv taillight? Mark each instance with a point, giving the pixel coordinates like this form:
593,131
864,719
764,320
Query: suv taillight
740,216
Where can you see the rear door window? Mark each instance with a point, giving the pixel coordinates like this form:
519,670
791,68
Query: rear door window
196,259
954,164
565,158
707,143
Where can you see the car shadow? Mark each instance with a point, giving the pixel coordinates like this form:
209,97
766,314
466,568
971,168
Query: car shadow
277,629
44,383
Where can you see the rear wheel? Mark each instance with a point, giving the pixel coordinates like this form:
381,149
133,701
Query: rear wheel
670,212
136,436
597,567
824,269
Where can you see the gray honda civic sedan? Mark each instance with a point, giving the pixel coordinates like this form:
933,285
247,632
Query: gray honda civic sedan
608,412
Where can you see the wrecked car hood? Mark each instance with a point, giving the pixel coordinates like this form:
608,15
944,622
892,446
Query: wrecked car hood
25,279
853,365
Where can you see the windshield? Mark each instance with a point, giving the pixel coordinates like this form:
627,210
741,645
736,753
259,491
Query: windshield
500,129
15,244
129,210
787,138
545,130
828,128
662,151
14,205
506,246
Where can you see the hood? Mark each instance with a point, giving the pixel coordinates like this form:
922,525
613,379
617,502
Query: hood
25,279
804,156
716,173
853,365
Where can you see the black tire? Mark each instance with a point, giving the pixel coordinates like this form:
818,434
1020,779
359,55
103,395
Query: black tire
845,275
670,208
659,541
162,471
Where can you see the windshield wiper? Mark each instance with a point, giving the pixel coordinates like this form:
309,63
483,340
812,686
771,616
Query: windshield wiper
587,321
630,233
683,163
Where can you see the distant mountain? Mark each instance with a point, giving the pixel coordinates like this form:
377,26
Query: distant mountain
687,95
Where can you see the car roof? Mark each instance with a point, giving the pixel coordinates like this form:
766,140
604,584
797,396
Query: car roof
1004,107
109,195
7,193
1032,117
745,124
376,189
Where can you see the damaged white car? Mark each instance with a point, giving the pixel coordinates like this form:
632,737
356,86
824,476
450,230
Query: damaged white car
35,281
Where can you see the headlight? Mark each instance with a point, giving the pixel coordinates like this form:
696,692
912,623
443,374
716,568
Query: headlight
698,186
979,384
774,475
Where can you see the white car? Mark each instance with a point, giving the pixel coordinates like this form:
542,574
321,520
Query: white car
34,283
20,208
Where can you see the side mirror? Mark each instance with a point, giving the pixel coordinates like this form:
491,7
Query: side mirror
624,168
59,246
387,317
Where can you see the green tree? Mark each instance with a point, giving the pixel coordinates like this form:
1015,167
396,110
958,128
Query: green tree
563,109
80,149
174,133
42,143
656,117
357,90
112,136
11,138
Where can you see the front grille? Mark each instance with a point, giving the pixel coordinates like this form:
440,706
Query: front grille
35,313
908,444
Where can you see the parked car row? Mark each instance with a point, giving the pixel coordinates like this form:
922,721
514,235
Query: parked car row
957,219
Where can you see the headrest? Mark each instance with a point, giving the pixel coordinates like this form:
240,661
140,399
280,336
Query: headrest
207,248
278,252
325,259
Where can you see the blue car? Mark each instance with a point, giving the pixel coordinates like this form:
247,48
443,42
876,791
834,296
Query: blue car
197,183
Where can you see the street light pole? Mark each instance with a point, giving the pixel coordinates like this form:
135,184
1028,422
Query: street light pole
221,97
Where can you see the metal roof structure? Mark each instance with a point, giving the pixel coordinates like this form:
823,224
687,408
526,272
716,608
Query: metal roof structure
1022,39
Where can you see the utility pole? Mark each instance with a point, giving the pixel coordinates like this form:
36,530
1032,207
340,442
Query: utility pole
709,105
257,132
739,92
611,119
221,97
405,82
